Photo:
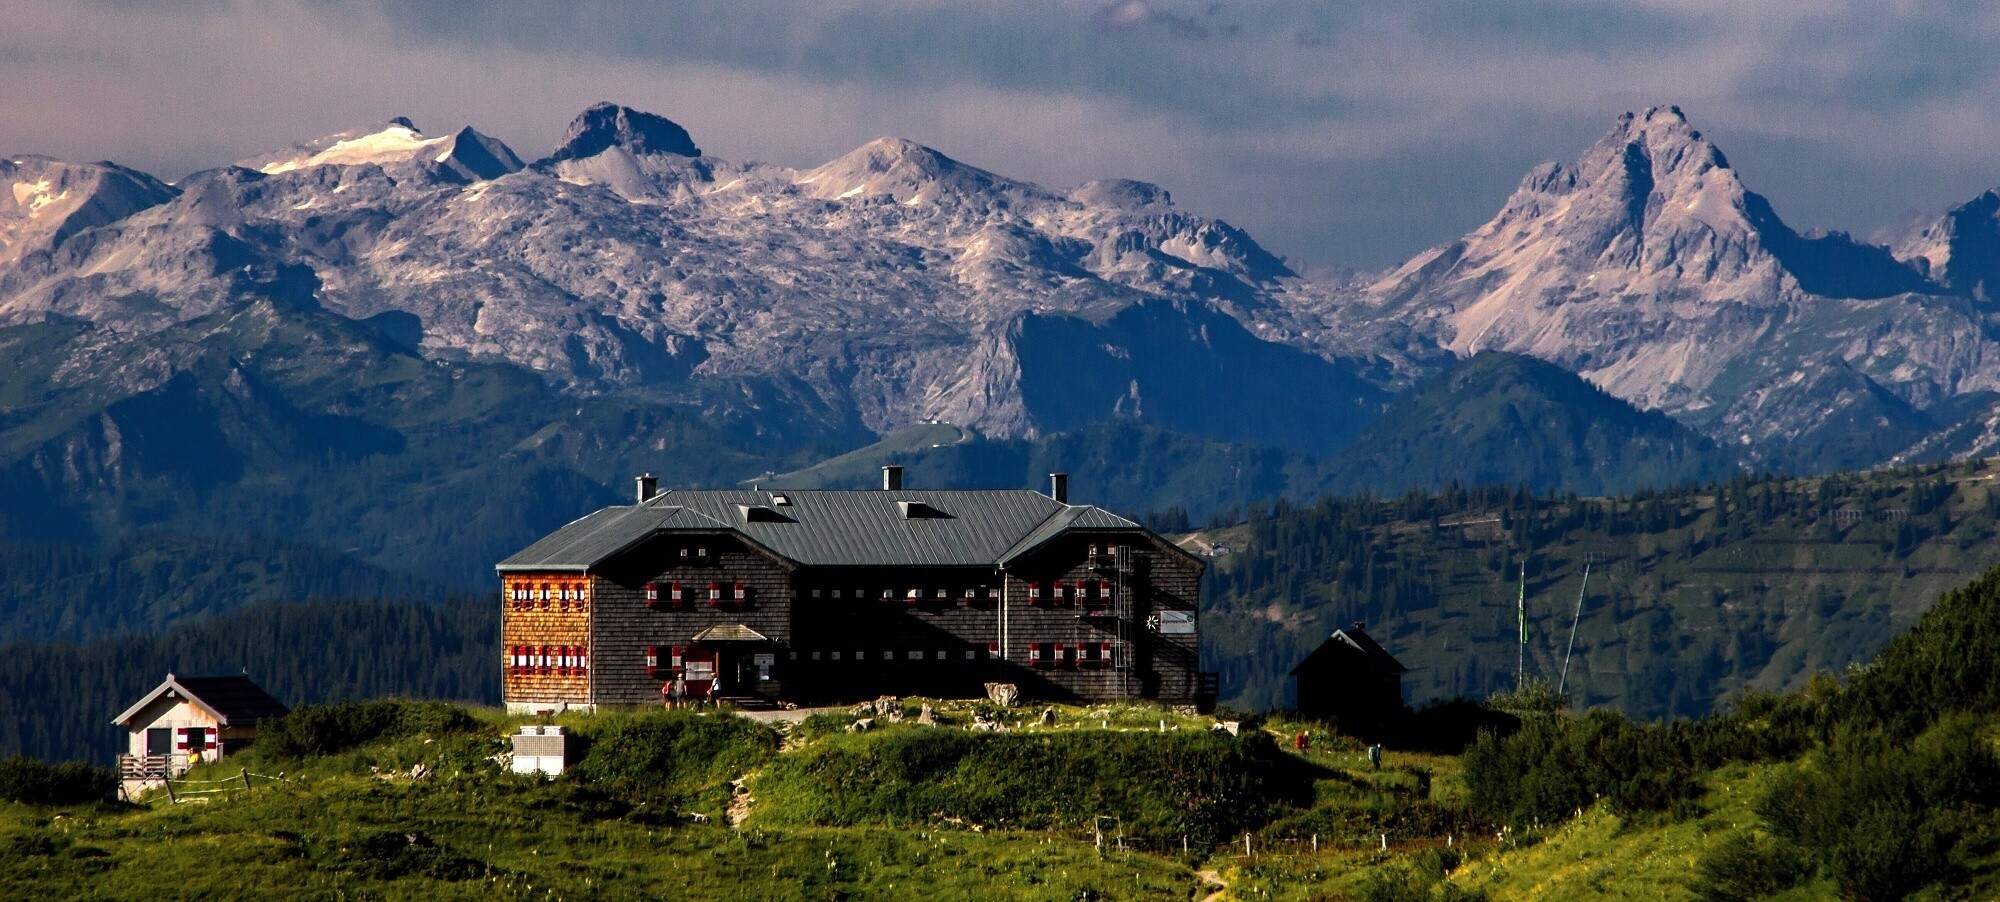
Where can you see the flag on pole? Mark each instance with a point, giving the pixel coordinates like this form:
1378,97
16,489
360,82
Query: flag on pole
1521,604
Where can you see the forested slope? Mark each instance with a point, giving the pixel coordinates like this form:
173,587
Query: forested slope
57,698
1694,592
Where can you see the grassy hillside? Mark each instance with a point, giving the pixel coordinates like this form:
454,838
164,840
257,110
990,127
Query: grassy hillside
1694,593
1879,789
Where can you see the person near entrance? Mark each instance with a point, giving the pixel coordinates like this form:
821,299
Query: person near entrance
715,691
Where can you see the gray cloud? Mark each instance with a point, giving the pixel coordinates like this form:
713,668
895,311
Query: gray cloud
1337,132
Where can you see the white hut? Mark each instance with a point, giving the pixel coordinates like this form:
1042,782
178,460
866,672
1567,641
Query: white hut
188,720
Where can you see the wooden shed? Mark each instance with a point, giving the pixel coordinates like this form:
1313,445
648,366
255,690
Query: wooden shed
1350,681
188,720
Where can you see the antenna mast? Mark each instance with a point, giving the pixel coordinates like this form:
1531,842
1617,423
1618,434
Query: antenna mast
1572,625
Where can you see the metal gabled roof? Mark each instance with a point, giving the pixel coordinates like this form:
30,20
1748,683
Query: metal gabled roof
1355,640
1073,517
593,538
968,528
233,700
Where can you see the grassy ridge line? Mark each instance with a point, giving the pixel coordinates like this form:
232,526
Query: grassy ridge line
1693,594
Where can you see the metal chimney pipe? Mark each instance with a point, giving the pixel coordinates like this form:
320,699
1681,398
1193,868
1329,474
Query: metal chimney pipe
892,479
1059,487
648,487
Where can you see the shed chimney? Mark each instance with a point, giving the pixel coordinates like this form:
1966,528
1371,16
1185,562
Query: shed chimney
648,487
892,479
1059,487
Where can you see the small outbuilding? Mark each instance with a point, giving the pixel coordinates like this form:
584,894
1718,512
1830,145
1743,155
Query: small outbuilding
541,749
188,720
1350,681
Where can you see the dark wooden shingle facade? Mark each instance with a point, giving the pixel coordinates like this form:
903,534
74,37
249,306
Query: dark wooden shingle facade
816,597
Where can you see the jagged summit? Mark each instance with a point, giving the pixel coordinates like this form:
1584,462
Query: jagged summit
1645,264
607,125
465,155
45,201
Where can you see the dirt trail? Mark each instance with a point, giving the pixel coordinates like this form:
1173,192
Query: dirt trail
1213,882
739,802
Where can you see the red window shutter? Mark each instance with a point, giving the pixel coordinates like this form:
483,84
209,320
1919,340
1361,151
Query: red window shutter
993,649
677,596
652,660
547,652
742,593
1104,652
582,659
1034,592
714,593
679,652
1034,652
652,593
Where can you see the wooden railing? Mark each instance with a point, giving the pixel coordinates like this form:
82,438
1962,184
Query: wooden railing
152,767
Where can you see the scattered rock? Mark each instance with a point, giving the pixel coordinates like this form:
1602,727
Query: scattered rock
926,716
861,726
1006,695
1048,717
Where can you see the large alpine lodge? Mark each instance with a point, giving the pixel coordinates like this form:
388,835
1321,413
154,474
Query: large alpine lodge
773,597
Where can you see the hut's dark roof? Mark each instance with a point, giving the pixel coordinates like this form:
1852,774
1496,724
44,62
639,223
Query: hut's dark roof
820,527
234,699
1348,642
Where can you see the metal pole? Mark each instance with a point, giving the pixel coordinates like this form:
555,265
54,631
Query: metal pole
1521,615
1572,625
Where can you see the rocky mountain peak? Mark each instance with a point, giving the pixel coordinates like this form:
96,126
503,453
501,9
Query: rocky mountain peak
896,166
607,125
1122,194
465,155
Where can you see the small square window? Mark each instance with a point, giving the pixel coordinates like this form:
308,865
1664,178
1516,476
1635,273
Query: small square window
836,656
815,656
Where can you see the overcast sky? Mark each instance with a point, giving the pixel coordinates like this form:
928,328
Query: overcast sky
1348,133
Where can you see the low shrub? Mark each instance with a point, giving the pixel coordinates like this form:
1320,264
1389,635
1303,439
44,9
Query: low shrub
1751,866
326,729
36,782
668,755
1205,786
395,854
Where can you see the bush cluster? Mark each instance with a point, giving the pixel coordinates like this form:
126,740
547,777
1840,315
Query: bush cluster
1885,817
327,729
665,756
1205,786
35,782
